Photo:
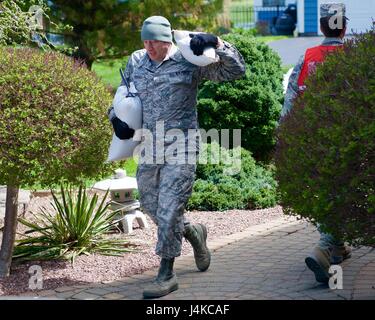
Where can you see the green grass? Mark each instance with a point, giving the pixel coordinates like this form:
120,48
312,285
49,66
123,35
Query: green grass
130,167
108,70
268,39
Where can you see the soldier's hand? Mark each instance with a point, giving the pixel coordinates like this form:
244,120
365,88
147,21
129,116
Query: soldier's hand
121,128
201,41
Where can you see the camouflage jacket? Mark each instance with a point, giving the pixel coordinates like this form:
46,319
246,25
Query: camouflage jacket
292,89
168,91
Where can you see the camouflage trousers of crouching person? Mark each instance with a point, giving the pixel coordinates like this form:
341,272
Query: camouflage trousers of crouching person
164,192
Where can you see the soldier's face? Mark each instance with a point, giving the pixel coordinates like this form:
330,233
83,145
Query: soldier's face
157,50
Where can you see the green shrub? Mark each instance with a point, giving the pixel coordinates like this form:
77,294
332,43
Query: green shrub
53,121
253,103
249,186
208,196
76,227
326,151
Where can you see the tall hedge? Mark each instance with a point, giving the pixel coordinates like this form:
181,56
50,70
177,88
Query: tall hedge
253,103
326,151
53,121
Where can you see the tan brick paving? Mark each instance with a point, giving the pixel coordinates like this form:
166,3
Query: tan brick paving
261,263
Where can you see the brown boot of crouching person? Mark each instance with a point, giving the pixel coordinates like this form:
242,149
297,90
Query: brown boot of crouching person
340,253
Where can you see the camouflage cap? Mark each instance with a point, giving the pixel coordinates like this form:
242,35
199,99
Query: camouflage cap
333,9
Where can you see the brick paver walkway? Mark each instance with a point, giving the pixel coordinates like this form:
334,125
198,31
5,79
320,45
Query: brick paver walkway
263,262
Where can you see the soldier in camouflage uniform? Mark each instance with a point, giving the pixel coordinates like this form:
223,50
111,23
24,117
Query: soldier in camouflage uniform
333,26
167,86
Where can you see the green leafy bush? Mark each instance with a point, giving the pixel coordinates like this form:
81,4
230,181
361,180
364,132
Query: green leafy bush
53,122
251,104
77,226
224,186
208,196
326,150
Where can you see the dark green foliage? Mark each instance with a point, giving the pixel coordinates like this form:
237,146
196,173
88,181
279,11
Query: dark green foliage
111,28
326,150
230,186
77,226
253,103
208,196
53,122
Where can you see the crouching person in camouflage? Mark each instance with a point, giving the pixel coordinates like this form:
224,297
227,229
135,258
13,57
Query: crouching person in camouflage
167,86
333,23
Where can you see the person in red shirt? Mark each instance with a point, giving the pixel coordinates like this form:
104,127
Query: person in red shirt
333,23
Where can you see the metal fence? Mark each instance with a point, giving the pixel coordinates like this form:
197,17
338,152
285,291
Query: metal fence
248,17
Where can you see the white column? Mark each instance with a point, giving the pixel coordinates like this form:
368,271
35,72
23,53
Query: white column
301,16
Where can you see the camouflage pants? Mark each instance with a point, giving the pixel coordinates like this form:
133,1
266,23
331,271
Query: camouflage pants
164,191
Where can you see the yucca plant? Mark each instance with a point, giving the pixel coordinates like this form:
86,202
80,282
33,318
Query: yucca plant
77,226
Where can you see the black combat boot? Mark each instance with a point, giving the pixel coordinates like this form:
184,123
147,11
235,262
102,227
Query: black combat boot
197,236
319,262
165,282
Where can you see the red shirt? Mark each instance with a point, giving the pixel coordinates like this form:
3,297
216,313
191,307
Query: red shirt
313,57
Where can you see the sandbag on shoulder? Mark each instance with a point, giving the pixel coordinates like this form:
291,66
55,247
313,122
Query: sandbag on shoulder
182,39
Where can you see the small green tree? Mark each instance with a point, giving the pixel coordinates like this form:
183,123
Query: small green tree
326,150
251,104
53,127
